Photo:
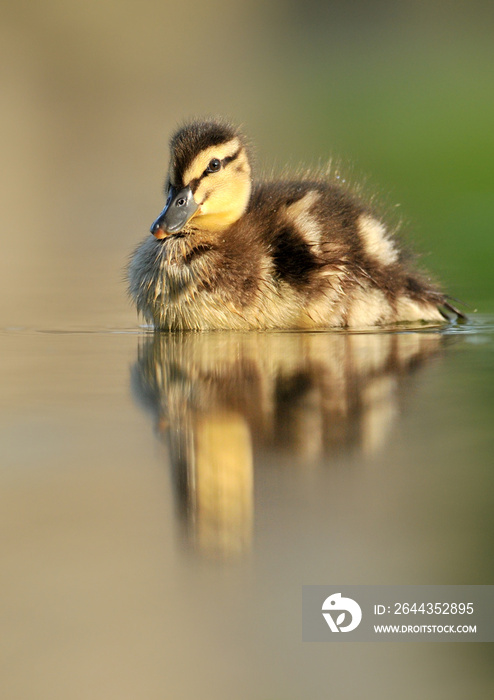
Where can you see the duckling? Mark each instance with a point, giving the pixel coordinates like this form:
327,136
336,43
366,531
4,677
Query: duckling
230,253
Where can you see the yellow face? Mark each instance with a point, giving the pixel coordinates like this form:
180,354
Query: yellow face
220,181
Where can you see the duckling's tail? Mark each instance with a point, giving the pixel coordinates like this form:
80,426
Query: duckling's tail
446,305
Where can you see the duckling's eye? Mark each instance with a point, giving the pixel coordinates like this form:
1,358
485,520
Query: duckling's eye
180,202
214,165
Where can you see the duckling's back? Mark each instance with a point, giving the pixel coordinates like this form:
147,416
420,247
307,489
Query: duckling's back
332,262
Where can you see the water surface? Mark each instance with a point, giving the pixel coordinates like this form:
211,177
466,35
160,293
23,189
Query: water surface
165,496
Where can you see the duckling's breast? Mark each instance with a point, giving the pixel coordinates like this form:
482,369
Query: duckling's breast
195,282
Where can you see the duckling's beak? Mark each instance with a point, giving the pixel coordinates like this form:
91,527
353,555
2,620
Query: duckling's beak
179,208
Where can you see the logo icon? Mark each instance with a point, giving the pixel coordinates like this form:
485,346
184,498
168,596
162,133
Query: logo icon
347,607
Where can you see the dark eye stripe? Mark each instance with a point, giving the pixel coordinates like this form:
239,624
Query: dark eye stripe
223,162
231,158
194,184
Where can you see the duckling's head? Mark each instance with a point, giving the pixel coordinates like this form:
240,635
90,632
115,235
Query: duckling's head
209,180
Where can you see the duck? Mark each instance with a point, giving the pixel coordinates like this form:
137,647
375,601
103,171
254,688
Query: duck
228,252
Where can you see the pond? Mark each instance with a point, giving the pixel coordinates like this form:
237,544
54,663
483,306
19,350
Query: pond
164,497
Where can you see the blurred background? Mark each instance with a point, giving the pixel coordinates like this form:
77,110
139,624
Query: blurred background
133,569
400,93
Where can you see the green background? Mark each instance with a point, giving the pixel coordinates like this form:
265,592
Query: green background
399,93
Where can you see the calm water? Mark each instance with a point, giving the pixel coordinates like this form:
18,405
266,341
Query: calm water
164,498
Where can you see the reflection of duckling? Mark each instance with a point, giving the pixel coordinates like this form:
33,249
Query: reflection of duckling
293,254
229,406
